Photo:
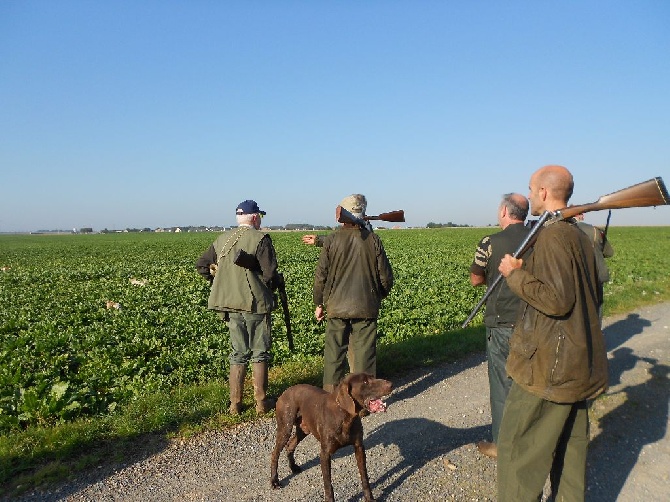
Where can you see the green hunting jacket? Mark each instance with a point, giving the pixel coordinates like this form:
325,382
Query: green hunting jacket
557,350
353,274
235,288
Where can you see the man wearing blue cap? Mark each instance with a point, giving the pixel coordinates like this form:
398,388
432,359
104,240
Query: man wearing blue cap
244,300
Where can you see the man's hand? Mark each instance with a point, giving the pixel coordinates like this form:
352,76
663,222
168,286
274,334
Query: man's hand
508,264
319,313
477,280
309,239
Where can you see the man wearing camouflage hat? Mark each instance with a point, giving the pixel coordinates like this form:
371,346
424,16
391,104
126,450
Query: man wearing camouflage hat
352,277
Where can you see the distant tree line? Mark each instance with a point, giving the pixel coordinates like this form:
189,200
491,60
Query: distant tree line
444,225
203,228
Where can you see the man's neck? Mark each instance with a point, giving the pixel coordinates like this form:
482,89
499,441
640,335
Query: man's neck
507,223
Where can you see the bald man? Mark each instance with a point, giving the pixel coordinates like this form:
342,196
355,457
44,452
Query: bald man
557,358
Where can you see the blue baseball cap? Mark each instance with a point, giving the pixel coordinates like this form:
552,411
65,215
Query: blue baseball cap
248,207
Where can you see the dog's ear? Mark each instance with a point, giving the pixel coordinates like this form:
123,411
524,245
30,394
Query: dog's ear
344,399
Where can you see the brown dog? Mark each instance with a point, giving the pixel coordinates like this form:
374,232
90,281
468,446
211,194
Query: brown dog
332,418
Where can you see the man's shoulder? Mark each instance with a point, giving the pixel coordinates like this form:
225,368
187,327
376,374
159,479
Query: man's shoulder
515,231
344,232
562,230
585,227
221,236
517,228
592,231
485,241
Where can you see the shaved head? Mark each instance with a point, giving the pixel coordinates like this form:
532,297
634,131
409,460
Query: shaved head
550,188
558,182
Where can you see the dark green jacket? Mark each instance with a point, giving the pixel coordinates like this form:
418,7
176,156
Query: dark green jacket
602,246
353,274
557,350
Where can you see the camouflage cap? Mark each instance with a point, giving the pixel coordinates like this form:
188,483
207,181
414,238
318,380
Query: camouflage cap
355,204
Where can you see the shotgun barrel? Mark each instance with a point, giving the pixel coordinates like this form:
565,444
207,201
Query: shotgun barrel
344,216
646,194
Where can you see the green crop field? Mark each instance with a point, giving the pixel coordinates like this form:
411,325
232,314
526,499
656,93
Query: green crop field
90,322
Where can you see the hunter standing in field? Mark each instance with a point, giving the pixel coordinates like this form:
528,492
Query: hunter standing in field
557,356
244,300
318,240
502,306
603,249
352,277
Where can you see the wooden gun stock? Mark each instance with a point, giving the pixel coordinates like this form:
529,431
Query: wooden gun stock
395,216
646,194
246,260
344,216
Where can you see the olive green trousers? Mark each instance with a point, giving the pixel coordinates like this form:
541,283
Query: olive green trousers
539,438
340,333
250,337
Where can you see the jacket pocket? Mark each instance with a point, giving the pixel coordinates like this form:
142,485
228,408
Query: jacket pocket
520,361
568,367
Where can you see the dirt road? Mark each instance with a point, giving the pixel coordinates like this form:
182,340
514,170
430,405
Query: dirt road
422,448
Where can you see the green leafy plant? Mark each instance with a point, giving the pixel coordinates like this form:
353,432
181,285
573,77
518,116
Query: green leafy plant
91,322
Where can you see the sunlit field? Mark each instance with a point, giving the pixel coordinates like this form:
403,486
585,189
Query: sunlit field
90,322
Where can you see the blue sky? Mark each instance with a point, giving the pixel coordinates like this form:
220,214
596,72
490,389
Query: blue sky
155,113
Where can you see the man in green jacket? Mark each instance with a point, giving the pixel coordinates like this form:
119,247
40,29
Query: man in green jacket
603,249
352,277
557,356
502,306
244,299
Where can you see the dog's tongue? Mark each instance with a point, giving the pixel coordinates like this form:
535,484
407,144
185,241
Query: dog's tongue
376,405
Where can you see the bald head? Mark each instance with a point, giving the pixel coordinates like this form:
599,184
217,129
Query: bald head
550,189
558,181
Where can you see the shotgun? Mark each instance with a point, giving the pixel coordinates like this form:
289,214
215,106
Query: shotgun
249,261
645,194
344,216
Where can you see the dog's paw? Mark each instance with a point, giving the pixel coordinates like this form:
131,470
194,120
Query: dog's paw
295,469
275,484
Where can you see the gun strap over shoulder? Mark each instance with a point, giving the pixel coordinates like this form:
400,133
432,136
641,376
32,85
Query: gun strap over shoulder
230,243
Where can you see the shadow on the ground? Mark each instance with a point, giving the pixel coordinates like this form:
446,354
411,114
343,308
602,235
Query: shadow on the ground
436,440
641,419
424,379
134,450
619,332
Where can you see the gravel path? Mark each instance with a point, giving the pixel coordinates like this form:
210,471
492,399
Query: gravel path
422,448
